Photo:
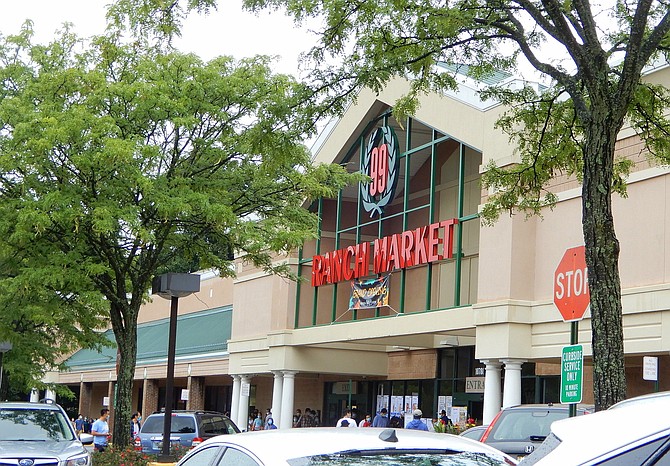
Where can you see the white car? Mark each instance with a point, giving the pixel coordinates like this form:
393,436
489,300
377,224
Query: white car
332,446
631,433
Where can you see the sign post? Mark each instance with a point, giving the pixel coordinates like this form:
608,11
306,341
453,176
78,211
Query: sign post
572,298
650,370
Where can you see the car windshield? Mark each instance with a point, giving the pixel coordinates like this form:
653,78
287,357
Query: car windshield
179,425
404,458
34,425
521,424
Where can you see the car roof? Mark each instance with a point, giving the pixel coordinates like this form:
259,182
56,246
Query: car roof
550,406
28,404
643,400
271,446
613,428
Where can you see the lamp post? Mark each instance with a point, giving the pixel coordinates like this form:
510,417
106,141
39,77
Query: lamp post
172,286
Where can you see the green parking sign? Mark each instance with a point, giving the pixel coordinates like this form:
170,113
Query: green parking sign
572,374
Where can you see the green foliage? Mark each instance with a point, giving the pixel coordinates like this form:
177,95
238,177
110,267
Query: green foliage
115,456
128,456
119,161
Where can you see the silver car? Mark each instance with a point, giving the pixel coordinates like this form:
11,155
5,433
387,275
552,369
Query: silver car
35,434
334,446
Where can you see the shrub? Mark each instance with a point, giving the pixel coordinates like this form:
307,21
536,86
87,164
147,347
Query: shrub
116,456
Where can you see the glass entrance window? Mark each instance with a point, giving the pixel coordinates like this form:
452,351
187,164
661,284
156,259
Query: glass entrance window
436,180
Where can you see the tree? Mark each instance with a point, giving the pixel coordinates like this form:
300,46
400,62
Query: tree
121,161
571,128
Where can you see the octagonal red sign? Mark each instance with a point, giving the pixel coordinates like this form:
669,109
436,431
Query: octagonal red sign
571,285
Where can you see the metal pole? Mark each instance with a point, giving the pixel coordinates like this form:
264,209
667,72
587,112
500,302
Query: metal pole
574,336
169,384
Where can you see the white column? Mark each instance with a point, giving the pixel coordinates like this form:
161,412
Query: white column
34,395
235,402
277,394
288,388
243,413
50,395
492,392
512,386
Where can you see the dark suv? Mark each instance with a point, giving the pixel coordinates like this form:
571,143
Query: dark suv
518,430
40,434
187,429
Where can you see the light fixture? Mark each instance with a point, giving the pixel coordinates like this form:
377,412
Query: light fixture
449,341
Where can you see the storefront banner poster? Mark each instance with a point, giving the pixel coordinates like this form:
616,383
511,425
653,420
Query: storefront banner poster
369,294
441,403
382,402
396,405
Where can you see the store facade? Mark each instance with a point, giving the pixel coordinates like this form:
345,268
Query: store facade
405,299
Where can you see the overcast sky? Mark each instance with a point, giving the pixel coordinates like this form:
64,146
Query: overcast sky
227,31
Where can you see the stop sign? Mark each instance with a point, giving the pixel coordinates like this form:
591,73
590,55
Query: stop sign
571,285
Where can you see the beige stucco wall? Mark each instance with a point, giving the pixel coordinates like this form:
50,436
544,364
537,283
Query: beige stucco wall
214,292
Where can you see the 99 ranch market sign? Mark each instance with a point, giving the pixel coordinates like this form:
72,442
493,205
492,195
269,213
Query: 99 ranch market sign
398,251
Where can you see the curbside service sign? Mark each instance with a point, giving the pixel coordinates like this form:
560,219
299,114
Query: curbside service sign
572,374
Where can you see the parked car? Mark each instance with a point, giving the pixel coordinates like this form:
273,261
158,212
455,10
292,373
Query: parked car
40,434
187,429
475,433
633,432
331,446
518,430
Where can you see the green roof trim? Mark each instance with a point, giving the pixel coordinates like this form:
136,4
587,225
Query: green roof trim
491,79
198,334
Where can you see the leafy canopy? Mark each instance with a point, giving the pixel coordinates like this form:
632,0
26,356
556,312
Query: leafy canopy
119,161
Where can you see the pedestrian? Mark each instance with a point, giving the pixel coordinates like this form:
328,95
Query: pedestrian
297,418
270,424
416,423
100,431
309,418
268,418
258,422
87,425
445,420
381,419
367,422
134,427
79,425
346,420
396,422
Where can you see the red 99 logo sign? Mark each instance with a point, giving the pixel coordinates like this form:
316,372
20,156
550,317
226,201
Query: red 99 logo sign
380,163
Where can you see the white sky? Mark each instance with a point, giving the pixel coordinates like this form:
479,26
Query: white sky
226,31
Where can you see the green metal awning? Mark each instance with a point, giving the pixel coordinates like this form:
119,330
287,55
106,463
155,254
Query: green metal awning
198,334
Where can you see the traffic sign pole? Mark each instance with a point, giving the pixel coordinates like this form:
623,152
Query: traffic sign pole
572,298
574,335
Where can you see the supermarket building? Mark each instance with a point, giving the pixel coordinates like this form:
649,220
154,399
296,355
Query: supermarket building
465,315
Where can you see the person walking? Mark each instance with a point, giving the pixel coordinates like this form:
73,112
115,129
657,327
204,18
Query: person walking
309,418
79,425
134,427
297,418
367,422
268,418
381,419
100,431
270,424
257,423
346,420
416,423
444,419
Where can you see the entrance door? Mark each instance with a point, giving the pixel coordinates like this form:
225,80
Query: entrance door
336,405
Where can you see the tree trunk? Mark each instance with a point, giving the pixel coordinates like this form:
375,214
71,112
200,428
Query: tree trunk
127,354
602,259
